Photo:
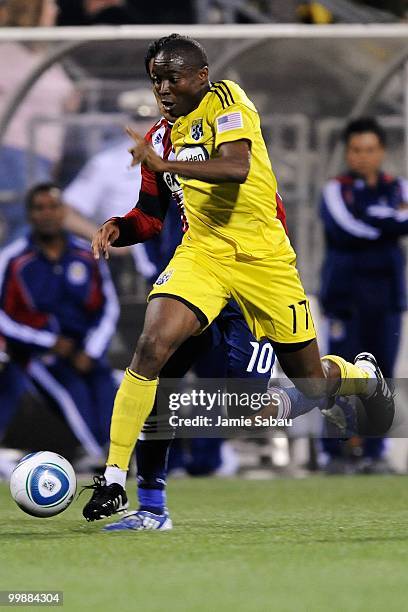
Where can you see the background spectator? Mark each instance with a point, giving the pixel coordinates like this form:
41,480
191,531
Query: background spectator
58,314
363,290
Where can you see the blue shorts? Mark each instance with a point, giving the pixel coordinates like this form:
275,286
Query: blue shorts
226,349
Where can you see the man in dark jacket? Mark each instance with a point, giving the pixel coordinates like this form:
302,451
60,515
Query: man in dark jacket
363,293
58,313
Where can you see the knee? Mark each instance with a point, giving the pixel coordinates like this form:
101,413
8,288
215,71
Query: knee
152,352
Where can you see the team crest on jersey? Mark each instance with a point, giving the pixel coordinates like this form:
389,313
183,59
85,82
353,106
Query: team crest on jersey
164,277
77,273
197,131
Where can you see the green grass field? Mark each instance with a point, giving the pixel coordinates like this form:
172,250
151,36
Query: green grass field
338,544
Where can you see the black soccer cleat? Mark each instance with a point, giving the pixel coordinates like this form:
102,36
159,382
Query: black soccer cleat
380,406
105,501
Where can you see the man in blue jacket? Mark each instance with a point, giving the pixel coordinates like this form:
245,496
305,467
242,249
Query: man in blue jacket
363,293
58,312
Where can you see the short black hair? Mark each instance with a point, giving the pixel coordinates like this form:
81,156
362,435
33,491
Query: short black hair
362,125
177,44
39,188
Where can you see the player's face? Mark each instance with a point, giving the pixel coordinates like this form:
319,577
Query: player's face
46,214
162,110
178,87
365,153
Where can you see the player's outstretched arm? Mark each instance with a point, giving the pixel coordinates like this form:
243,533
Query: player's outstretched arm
231,166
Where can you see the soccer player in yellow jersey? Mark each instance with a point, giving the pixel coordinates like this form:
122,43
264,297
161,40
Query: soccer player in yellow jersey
235,247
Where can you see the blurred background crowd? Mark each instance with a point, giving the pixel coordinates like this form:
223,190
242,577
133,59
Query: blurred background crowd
62,111
93,12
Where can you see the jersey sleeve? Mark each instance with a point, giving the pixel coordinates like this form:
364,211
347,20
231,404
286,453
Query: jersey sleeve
341,227
19,321
149,181
136,226
145,220
231,114
403,183
102,303
236,122
392,223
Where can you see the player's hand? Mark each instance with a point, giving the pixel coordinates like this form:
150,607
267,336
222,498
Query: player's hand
63,347
82,362
107,234
142,152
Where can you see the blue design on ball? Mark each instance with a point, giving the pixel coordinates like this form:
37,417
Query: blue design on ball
28,456
33,485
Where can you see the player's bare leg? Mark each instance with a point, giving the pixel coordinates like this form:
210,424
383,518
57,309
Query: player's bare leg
310,374
168,323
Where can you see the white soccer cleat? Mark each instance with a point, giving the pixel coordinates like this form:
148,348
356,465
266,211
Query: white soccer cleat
142,520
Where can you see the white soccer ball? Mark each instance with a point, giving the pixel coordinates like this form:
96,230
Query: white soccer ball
43,484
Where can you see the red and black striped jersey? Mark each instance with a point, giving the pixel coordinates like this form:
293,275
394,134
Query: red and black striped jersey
159,138
157,190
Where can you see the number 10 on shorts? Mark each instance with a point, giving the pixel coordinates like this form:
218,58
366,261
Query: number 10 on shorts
261,360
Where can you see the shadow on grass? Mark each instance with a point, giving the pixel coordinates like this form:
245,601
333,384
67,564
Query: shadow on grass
45,533
357,540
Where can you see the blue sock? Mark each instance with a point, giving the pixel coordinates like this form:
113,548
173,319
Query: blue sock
294,403
151,458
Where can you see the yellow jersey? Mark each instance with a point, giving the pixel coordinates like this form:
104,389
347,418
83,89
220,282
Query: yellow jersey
228,218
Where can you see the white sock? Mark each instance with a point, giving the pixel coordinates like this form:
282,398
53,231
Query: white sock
115,474
372,378
284,406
